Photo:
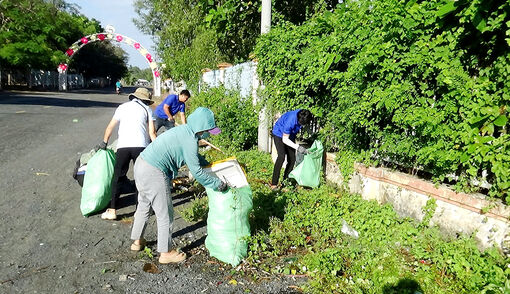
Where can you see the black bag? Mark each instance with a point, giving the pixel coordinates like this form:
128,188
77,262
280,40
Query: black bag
81,166
79,172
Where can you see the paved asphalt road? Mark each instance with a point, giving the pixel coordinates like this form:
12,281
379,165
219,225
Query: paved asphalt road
47,246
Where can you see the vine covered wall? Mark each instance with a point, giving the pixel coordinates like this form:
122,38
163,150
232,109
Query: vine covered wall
422,85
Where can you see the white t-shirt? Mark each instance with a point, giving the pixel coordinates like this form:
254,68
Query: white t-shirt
133,124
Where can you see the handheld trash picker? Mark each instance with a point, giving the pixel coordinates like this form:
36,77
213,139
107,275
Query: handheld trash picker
210,144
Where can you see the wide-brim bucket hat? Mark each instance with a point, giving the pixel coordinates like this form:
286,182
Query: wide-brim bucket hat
142,94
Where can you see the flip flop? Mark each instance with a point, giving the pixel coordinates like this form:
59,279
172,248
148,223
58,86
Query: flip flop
175,257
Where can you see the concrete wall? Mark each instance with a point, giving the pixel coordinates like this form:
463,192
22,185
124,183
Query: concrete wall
456,213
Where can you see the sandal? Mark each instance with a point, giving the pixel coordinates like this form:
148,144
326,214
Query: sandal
138,247
173,257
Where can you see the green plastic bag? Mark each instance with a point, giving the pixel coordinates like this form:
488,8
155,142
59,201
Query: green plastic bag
97,184
307,173
228,225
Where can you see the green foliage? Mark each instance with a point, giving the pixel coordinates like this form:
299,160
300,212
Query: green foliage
36,33
299,231
391,253
198,34
196,210
146,252
185,45
429,209
134,73
329,262
100,59
402,83
234,115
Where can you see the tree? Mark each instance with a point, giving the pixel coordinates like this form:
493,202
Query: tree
197,34
100,59
34,33
185,44
134,73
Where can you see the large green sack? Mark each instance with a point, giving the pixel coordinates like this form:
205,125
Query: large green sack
228,225
307,173
97,184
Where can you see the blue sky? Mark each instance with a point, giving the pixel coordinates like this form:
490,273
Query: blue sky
119,13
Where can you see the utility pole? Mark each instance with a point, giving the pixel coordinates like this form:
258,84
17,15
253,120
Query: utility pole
264,141
265,21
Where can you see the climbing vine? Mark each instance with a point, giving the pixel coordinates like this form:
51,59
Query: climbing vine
404,84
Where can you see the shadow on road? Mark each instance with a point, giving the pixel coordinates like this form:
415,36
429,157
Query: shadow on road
194,244
189,229
127,200
52,101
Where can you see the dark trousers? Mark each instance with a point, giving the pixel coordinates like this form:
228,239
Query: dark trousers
283,150
123,157
159,122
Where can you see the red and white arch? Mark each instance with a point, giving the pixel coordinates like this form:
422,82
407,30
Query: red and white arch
111,36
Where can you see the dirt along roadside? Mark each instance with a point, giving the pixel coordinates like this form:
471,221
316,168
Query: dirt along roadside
47,246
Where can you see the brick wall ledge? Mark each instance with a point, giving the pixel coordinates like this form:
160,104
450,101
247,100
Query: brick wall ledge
474,202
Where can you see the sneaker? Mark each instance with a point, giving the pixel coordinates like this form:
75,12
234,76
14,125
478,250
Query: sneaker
172,257
109,214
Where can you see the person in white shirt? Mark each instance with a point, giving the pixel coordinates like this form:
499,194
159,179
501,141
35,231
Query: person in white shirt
136,131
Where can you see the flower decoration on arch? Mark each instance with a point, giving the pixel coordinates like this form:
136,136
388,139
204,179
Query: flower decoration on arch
84,40
62,67
156,74
101,37
149,57
119,38
69,52
137,46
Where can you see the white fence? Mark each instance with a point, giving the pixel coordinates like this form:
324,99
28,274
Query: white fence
239,77
75,81
44,79
243,78
33,78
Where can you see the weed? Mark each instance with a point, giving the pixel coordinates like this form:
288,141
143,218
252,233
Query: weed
196,210
146,253
300,232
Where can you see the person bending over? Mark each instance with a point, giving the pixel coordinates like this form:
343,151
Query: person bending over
157,166
136,130
284,136
165,112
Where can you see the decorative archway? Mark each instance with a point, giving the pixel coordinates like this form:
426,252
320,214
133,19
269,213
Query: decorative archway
107,36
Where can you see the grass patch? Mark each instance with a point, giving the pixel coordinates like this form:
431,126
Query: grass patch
299,231
196,210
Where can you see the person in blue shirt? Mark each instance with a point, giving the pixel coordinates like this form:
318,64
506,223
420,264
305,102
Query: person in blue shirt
165,112
118,86
284,136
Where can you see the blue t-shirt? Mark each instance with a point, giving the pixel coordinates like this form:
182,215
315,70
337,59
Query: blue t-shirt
287,124
171,100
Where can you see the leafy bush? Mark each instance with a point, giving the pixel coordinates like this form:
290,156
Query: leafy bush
196,210
235,116
299,231
402,83
391,255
